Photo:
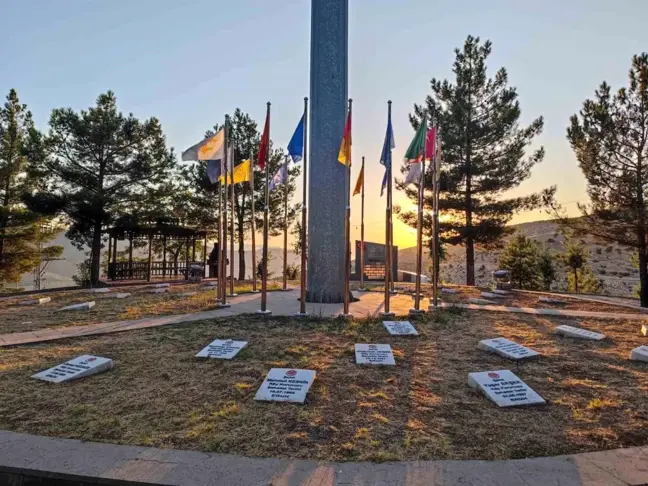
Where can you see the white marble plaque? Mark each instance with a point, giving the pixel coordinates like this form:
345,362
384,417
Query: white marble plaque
549,300
211,284
116,295
161,290
161,286
575,332
482,302
76,368
222,349
187,294
42,300
502,292
644,330
286,385
374,354
101,290
504,388
449,291
491,295
400,328
506,348
75,307
639,354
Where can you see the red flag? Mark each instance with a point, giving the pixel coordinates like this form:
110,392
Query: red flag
430,143
265,140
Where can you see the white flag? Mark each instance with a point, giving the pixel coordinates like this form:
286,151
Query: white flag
414,174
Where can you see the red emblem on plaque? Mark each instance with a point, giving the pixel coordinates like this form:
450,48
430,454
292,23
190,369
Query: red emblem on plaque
493,375
291,373
229,341
91,359
373,346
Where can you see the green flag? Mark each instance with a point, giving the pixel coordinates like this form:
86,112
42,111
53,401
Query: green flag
415,149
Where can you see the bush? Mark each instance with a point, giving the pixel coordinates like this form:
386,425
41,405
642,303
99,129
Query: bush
521,258
292,272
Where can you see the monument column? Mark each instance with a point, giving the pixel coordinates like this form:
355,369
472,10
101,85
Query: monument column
328,94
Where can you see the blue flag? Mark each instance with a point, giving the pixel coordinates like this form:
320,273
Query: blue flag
281,177
213,170
296,144
388,146
384,183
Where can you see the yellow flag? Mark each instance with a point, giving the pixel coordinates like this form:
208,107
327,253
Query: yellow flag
242,173
344,156
359,182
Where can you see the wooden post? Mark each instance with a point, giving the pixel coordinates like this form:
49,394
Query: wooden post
130,256
205,256
164,260
150,254
187,259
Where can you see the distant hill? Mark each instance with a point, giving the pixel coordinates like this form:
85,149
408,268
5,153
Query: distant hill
609,262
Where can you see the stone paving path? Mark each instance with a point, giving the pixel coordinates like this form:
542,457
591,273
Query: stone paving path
370,304
30,457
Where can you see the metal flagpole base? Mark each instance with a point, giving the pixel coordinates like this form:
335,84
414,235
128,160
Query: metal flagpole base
393,292
346,317
421,296
223,306
302,314
255,291
232,295
285,290
361,289
434,308
265,313
387,314
416,312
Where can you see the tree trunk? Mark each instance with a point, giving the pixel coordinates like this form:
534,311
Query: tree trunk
643,270
575,280
95,263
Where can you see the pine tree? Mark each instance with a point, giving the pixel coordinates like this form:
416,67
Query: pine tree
522,259
103,165
483,153
610,139
21,238
574,259
546,268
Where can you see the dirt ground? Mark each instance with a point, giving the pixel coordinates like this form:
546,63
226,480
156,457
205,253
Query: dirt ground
160,395
141,303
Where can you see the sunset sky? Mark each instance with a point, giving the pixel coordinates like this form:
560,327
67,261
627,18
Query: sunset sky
188,63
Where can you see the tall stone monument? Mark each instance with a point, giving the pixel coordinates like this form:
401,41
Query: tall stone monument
328,94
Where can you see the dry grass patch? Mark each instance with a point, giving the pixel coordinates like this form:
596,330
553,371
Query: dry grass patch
18,318
160,395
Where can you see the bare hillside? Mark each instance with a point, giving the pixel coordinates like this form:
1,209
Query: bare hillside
609,262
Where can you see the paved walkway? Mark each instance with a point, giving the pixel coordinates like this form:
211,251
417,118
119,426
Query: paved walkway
370,304
32,456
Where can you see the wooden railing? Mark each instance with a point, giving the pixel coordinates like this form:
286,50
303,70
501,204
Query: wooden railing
140,270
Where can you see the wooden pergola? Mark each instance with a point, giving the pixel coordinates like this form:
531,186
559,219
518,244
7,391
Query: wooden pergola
161,231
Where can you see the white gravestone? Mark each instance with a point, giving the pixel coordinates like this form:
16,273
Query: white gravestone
42,300
116,295
506,348
549,300
575,332
285,385
210,284
504,388
187,294
161,286
374,354
449,291
644,330
490,295
222,349
481,302
502,292
639,354
75,307
101,290
161,290
400,328
80,367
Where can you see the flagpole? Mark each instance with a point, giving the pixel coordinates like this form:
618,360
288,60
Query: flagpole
285,232
362,229
347,220
233,203
264,277
419,230
254,279
219,264
302,299
388,250
223,249
435,216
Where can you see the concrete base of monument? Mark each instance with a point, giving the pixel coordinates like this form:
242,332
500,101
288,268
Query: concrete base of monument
265,313
302,315
387,314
